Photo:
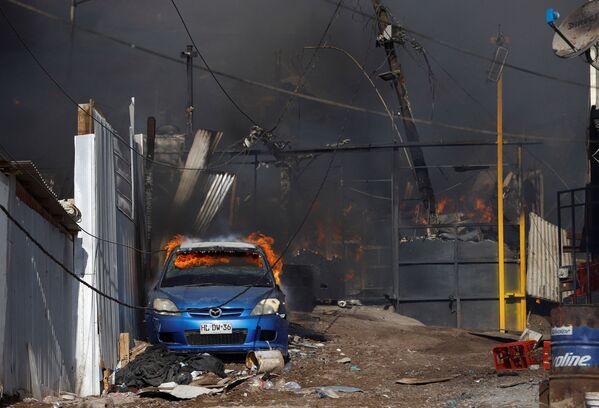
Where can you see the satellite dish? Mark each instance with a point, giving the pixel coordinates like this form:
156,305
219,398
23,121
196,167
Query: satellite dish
578,32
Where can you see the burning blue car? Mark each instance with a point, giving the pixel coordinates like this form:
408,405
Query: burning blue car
217,297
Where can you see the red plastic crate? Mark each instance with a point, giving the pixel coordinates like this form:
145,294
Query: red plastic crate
514,356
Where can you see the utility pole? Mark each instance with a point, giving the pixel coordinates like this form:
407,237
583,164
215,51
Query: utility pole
387,40
189,54
496,74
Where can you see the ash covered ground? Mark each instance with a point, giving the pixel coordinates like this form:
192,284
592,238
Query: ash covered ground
383,347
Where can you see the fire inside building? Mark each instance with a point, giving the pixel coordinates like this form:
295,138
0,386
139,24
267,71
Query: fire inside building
285,225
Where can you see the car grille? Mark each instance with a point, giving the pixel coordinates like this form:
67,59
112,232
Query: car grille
226,312
194,338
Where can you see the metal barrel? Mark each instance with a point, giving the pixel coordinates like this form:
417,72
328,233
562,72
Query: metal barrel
574,355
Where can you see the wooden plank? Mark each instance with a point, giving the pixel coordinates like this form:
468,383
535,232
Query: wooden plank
123,349
85,122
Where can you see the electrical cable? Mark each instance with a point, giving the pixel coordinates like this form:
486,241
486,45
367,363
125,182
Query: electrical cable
300,82
74,275
229,97
274,88
5,153
63,266
472,53
90,114
306,215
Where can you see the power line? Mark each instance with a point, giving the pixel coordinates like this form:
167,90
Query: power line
300,82
63,266
229,97
7,156
472,53
90,114
272,88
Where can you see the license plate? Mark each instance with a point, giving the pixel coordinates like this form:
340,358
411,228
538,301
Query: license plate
216,328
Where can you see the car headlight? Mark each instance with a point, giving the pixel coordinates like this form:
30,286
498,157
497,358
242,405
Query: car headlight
165,307
266,307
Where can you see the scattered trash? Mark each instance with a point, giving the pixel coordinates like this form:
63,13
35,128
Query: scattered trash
534,367
167,386
342,388
324,393
267,361
332,391
355,368
29,400
306,333
528,334
156,365
291,386
344,360
235,382
349,303
191,391
422,381
451,404
206,379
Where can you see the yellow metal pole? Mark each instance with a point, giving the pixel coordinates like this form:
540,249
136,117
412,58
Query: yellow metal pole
500,251
522,311
522,224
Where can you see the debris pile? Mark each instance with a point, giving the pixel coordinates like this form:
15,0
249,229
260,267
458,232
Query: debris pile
157,365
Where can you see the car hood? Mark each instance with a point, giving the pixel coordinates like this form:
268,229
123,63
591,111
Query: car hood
186,297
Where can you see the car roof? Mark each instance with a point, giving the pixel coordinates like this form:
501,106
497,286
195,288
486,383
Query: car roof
191,244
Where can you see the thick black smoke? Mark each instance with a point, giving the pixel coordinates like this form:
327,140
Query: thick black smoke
243,38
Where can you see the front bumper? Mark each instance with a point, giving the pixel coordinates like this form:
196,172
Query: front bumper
182,333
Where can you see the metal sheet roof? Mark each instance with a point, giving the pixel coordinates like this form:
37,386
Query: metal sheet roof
30,178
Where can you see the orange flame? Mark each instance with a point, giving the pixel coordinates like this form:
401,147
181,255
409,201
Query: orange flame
350,275
442,204
172,244
484,212
193,259
265,242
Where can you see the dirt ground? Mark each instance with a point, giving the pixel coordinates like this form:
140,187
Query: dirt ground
383,347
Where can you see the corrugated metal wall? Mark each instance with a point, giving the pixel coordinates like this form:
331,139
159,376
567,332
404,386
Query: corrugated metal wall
543,259
116,266
108,260
38,300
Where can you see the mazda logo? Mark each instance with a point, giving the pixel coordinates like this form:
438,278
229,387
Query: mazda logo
215,312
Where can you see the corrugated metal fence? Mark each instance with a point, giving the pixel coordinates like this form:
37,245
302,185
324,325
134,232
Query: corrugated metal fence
543,259
105,192
37,301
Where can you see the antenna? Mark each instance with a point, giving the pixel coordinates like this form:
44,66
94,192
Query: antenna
577,33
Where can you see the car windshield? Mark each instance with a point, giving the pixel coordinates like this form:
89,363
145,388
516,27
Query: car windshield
216,267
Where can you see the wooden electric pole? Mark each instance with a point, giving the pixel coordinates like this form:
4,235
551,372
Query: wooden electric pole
396,76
